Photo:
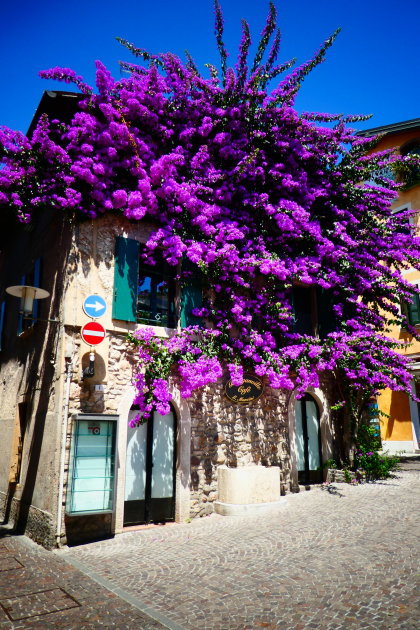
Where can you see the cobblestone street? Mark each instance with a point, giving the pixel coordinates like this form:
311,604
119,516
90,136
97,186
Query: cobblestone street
38,590
333,558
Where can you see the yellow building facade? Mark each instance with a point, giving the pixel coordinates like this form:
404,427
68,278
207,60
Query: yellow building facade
399,420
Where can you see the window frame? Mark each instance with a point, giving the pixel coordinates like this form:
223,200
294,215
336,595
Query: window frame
187,293
158,277
416,306
112,420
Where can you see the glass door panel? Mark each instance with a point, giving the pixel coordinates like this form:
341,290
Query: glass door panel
161,507
135,473
300,447
163,456
312,422
307,441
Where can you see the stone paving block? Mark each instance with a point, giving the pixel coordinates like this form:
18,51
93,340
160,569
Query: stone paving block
39,603
49,594
336,558
9,562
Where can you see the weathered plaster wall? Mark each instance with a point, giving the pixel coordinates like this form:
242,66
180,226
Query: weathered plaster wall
30,374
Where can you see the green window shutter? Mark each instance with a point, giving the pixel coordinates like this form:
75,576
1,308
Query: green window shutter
325,313
124,305
191,295
2,313
413,308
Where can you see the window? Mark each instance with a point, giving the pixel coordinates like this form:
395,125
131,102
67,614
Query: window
303,310
410,173
327,321
92,464
18,442
413,310
156,293
313,311
149,294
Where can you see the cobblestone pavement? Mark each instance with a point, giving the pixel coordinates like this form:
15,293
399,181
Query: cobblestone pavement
39,590
332,558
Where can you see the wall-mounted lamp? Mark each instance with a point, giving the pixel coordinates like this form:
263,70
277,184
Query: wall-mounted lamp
89,371
27,296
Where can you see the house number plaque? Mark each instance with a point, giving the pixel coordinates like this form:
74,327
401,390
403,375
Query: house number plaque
250,390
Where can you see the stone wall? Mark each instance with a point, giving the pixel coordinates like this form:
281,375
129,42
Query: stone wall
224,433
37,524
80,529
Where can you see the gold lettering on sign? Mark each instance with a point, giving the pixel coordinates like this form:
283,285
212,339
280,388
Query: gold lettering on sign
249,391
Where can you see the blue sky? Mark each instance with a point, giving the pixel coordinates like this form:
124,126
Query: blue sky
372,67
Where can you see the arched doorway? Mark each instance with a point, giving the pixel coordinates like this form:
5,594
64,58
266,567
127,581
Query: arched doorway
150,470
308,440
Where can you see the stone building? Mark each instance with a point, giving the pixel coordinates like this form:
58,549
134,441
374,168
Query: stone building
71,468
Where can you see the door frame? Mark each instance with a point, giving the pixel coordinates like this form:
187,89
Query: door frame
183,460
149,470
326,431
306,476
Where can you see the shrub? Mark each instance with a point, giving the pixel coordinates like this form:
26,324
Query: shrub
368,460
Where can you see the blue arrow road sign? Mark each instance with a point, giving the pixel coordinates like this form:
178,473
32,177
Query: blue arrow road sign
94,306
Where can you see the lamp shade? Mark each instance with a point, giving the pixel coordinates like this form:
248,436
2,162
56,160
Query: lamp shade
28,295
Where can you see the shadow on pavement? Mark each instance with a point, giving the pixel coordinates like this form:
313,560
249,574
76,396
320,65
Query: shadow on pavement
331,489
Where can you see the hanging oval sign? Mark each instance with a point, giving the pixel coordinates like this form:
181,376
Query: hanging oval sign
250,390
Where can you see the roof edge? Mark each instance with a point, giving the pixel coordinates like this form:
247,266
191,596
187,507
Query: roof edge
389,129
54,102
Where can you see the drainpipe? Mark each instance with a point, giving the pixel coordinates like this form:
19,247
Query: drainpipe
63,447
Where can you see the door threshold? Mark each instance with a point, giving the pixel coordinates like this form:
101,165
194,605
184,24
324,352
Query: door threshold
135,528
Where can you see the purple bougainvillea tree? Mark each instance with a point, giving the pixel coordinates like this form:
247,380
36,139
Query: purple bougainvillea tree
260,199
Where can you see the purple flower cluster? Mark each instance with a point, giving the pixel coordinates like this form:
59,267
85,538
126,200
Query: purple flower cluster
260,200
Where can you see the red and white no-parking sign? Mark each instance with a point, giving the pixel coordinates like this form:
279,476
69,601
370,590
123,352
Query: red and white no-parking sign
93,333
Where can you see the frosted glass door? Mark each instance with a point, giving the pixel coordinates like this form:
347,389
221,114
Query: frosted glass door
135,463
163,456
300,447
135,473
314,459
307,440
